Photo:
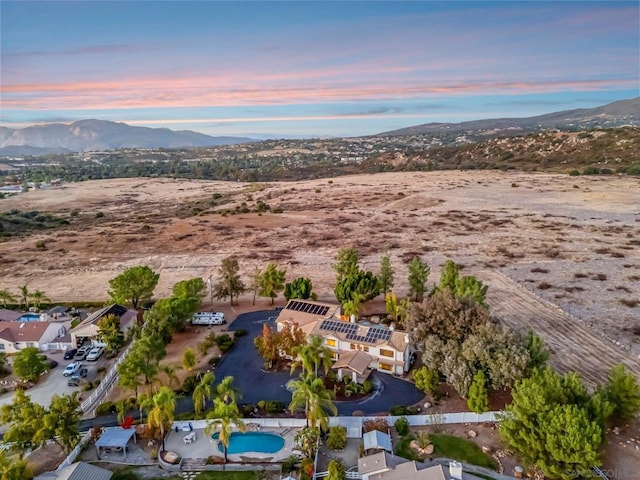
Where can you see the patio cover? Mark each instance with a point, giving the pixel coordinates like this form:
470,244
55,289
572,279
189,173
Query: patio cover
377,439
116,438
356,361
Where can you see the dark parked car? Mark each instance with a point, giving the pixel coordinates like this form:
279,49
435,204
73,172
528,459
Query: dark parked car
53,364
69,354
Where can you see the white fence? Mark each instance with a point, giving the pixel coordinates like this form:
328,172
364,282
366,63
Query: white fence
106,383
354,424
75,452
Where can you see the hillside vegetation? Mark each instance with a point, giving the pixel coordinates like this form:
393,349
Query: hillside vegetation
590,152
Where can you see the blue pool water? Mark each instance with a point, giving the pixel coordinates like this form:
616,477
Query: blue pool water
29,317
252,442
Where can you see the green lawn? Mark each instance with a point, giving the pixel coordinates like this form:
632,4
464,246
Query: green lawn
461,449
129,475
450,447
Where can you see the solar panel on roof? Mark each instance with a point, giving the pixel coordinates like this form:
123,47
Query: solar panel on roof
306,307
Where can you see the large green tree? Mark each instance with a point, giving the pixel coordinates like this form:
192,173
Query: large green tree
12,468
161,407
312,355
109,332
418,274
62,421
271,281
203,392
39,297
462,287
134,286
386,274
623,392
301,288
310,393
552,423
364,283
6,297
347,261
229,283
28,365
24,420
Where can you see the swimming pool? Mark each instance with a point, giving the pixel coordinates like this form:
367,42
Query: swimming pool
252,442
29,317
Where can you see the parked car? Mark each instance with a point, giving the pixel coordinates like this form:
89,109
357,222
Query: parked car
82,353
53,364
69,354
74,380
71,369
95,354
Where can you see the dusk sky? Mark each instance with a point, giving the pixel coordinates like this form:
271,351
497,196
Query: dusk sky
311,68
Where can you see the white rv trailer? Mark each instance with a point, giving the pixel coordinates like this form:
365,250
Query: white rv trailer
208,318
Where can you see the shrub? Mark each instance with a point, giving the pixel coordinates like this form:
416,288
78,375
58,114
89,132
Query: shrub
247,410
289,465
105,408
367,386
402,426
213,361
398,410
99,215
224,342
574,173
240,333
336,470
273,406
189,385
261,404
41,245
337,439
153,454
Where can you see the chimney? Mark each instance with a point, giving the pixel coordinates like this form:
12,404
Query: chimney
455,470
353,319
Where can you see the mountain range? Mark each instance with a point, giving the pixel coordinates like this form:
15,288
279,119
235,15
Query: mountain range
100,135
616,114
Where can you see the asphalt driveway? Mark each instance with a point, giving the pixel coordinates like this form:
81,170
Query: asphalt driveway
246,366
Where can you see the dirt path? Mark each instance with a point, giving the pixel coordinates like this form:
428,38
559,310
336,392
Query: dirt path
574,346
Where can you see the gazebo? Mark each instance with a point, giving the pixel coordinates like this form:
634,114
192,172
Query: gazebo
116,438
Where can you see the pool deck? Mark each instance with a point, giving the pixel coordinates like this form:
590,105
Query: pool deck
204,446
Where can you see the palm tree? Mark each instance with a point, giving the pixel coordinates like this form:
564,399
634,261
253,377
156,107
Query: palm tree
24,296
225,417
6,297
169,372
313,355
163,405
226,391
38,298
203,392
309,392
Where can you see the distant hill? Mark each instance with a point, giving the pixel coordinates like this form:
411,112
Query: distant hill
612,150
616,114
100,135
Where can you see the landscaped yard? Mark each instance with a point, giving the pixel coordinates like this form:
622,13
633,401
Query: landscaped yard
450,447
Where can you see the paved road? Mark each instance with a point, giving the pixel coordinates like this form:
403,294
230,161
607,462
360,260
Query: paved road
245,365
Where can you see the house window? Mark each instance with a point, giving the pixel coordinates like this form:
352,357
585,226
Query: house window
331,342
1,346
30,344
352,346
386,353
385,366
334,357
365,348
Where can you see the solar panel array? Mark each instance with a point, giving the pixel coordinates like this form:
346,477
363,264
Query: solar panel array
374,334
115,309
306,307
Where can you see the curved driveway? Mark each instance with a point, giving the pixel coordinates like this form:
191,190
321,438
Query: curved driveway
245,365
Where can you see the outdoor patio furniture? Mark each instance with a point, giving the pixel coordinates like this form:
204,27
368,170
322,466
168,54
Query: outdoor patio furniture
190,438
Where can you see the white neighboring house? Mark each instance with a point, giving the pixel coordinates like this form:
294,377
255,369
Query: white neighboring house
14,336
88,328
358,348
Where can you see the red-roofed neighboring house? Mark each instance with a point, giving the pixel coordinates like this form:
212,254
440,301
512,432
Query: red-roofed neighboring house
14,336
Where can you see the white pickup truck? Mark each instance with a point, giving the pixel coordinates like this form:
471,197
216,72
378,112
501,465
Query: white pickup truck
208,318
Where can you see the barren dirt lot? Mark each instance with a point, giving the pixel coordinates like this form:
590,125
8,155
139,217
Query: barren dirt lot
561,254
